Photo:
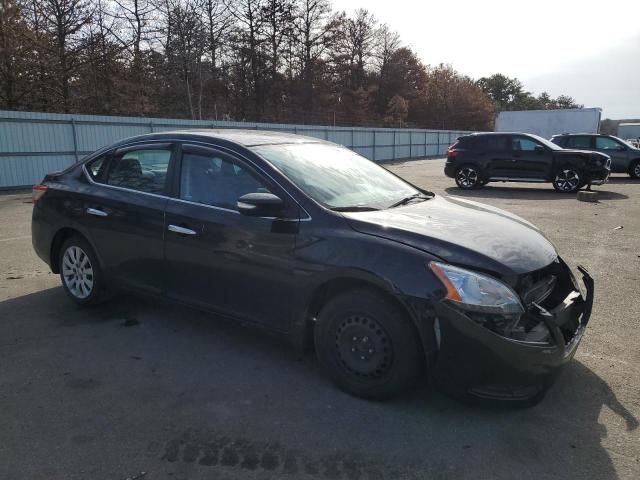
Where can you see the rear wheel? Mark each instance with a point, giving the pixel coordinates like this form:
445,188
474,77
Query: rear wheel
80,272
567,180
468,177
368,345
634,169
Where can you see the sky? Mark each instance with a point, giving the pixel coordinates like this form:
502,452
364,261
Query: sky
587,49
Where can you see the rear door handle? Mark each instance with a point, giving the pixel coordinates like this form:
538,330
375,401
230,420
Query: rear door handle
181,230
96,212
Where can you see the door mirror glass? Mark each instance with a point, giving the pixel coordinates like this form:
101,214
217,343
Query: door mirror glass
260,205
538,149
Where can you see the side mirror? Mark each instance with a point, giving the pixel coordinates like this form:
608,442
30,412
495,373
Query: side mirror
538,149
260,205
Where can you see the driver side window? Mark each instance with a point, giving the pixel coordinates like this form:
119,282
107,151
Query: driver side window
216,179
605,143
523,144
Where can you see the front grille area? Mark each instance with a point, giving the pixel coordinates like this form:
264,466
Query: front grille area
548,288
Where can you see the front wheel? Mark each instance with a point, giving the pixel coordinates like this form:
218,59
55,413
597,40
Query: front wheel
634,170
368,345
468,177
567,180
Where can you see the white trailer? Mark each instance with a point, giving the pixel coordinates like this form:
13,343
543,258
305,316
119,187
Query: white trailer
629,131
547,123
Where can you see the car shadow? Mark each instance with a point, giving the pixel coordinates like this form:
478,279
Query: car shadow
624,180
189,393
527,193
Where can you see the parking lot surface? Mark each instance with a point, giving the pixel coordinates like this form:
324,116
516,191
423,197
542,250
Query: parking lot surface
141,388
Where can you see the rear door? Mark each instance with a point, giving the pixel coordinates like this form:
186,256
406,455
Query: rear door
497,151
124,213
531,159
579,142
215,256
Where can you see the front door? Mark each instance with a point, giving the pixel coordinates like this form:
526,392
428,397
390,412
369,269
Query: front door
218,258
616,150
124,213
531,159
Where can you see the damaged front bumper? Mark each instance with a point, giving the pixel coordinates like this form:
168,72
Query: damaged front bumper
472,360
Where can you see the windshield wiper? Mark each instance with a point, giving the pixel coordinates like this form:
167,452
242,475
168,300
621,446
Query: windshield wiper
406,200
355,208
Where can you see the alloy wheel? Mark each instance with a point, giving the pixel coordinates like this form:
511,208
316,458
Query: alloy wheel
467,177
636,170
77,272
567,180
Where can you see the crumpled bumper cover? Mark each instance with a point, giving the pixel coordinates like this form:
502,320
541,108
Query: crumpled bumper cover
472,360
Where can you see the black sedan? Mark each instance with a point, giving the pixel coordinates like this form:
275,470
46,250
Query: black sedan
388,281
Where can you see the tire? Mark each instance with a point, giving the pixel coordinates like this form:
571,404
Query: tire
567,180
367,345
634,169
80,272
468,177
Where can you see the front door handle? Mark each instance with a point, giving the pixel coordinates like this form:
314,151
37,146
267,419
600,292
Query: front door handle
181,230
96,212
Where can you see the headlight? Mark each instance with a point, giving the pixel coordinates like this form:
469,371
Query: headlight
476,292
492,304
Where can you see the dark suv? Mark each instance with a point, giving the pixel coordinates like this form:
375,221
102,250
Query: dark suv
477,159
625,158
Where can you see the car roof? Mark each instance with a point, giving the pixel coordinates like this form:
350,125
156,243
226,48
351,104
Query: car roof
488,134
581,135
247,138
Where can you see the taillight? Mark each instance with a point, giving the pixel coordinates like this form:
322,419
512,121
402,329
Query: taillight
451,153
38,191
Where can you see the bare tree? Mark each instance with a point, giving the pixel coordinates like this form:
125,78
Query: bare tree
185,46
16,67
357,41
65,20
251,24
386,43
135,28
314,27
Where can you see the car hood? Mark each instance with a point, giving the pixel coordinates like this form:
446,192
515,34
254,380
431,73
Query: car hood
592,153
462,232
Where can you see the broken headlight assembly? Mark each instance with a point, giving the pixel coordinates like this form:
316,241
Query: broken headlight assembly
491,303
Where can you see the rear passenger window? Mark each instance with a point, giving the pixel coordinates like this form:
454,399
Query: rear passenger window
216,179
496,144
142,170
578,142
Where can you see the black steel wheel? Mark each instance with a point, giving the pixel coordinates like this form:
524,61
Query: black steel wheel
468,177
368,345
567,180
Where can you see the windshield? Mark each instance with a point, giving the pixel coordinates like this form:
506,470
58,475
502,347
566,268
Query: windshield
335,176
546,142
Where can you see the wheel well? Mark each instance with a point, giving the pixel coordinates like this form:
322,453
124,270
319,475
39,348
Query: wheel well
59,238
331,288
